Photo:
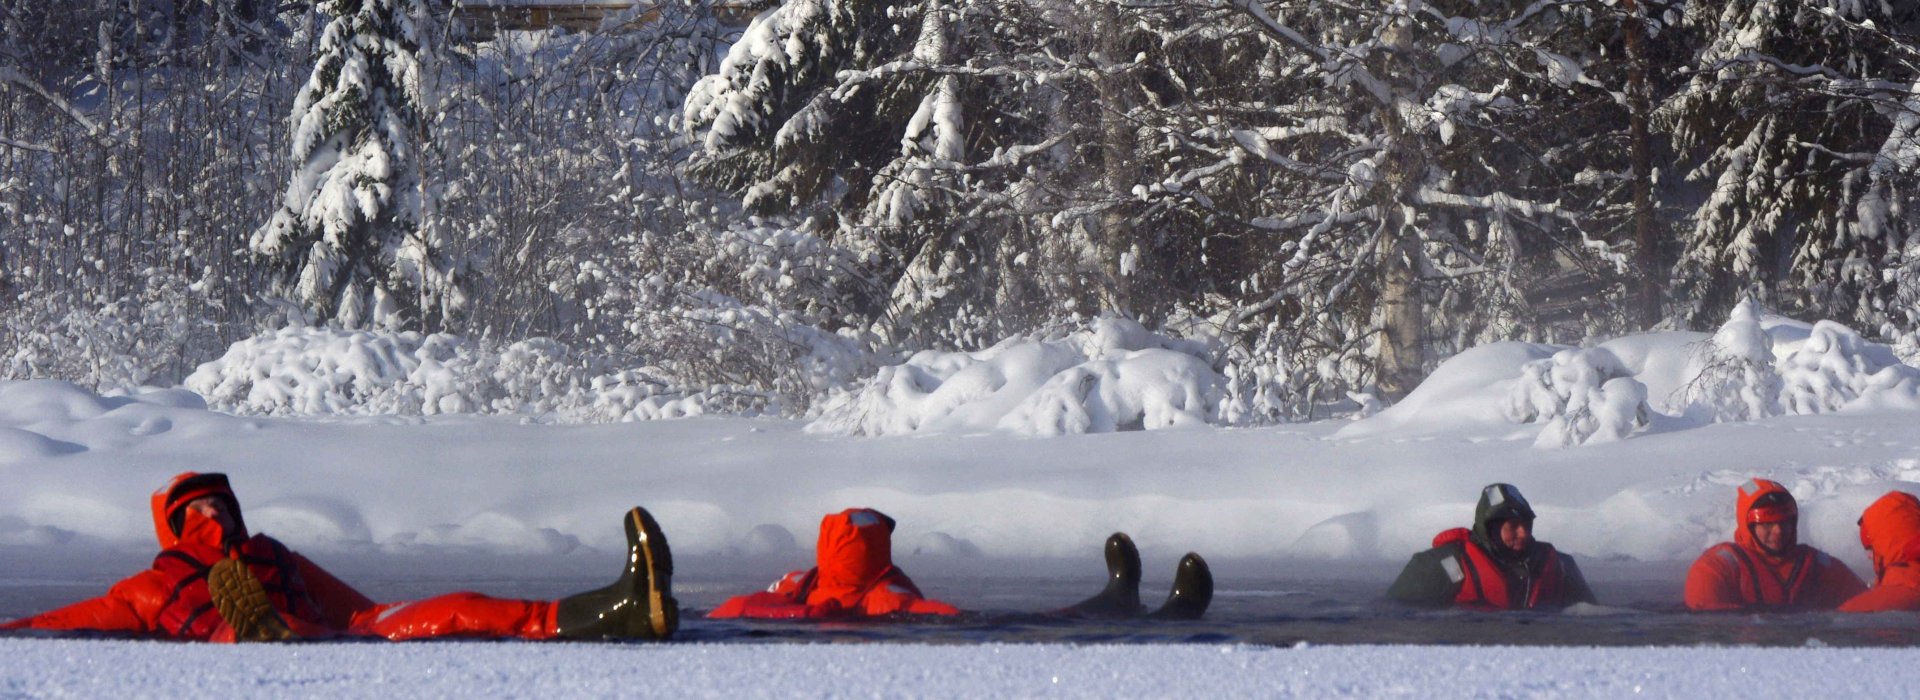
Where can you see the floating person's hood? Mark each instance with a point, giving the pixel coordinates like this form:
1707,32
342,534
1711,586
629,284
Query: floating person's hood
1890,530
1761,501
855,550
174,524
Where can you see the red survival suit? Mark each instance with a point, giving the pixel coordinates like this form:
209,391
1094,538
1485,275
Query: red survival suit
171,599
1741,575
855,576
1890,530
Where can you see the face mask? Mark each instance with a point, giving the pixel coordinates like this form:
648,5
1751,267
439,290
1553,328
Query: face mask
201,529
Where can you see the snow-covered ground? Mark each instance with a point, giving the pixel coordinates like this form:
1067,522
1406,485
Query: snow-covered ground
1616,446
42,668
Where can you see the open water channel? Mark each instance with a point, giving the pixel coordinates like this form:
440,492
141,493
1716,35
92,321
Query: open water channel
1261,602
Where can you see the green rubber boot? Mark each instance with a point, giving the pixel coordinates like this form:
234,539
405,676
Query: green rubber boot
1192,591
1121,597
640,604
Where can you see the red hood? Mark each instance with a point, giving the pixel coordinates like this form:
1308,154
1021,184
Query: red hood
1890,530
1747,494
856,547
182,489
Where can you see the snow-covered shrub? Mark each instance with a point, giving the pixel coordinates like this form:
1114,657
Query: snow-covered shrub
1285,373
1583,395
304,371
317,371
536,376
1111,375
1737,379
1836,367
754,316
648,394
147,338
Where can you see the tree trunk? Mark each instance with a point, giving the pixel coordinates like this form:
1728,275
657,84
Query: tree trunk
1117,239
1401,168
1401,312
1646,297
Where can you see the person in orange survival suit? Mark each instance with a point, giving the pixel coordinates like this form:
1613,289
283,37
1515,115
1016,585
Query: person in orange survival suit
1765,567
1890,530
854,576
213,581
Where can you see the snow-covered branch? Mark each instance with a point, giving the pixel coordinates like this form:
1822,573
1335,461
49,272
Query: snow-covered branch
13,76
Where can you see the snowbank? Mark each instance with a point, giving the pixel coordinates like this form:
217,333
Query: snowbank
1114,375
1559,396
79,467
302,371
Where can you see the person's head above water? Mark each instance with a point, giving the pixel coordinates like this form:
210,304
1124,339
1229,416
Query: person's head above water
1769,517
190,499
1503,520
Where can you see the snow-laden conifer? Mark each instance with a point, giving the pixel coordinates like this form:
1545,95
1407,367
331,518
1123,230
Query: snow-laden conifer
1798,129
1582,395
1737,378
350,233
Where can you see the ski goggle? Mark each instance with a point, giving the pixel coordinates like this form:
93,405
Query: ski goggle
1775,507
1773,513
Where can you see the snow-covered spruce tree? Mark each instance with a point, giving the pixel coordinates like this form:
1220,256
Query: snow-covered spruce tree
1798,129
350,236
868,120
984,158
1423,190
1199,160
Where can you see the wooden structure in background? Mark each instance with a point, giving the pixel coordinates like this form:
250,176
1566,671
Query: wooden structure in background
483,19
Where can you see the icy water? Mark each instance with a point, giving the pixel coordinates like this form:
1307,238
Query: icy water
1262,602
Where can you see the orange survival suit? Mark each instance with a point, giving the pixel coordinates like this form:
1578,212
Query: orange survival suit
171,599
855,576
1890,530
1742,575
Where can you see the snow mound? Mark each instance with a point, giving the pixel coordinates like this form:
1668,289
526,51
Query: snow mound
1835,367
766,539
1465,391
1581,396
1113,375
22,445
1349,536
41,400
1755,366
310,523
302,371
941,543
488,532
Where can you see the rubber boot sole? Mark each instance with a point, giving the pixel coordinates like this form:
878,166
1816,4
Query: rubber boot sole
663,612
242,602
